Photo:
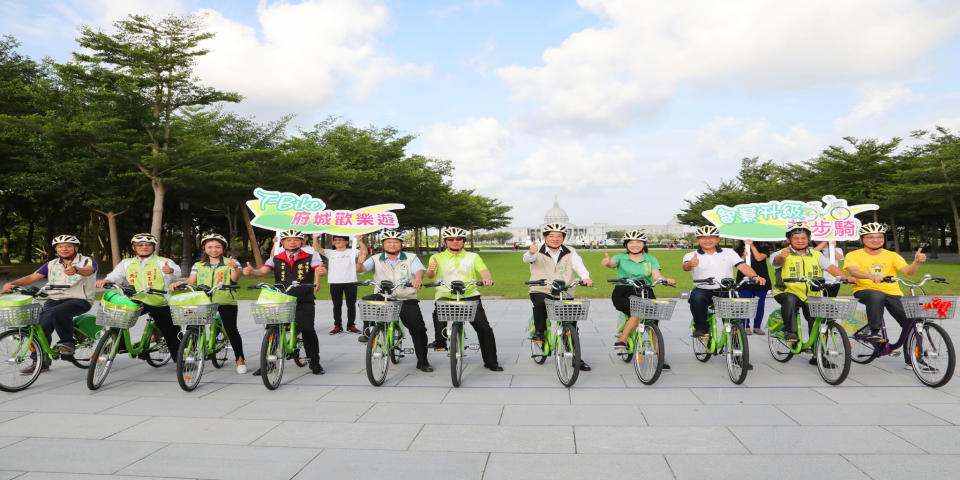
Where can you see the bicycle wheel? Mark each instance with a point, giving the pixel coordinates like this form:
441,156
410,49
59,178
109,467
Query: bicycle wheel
83,351
158,353
17,370
377,353
568,355
271,358
833,354
701,347
536,351
220,344
299,355
190,360
840,213
862,351
396,353
649,364
103,357
931,355
456,353
779,348
738,353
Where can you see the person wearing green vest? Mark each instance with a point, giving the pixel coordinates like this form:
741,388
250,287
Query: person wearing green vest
456,264
212,270
149,270
795,261
635,263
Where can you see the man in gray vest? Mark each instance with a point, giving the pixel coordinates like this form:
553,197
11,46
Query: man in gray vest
553,261
396,266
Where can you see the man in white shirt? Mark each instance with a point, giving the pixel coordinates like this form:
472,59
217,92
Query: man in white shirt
709,260
553,261
342,277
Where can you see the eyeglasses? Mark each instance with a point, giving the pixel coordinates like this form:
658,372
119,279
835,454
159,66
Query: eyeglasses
456,239
144,244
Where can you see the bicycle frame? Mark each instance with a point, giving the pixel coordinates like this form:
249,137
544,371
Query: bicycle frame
886,347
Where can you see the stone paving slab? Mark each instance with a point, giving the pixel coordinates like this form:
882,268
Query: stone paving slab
883,414
81,425
223,462
511,466
74,455
899,467
822,439
930,439
703,415
443,414
762,467
198,430
318,411
341,435
335,464
178,407
495,438
65,403
572,415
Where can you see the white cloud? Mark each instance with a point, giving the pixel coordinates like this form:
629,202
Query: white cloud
876,102
477,147
457,7
302,55
731,139
563,165
480,62
604,77
110,11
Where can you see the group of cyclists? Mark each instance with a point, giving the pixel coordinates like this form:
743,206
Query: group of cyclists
552,261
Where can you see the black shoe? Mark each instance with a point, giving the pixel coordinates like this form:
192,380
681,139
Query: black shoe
438,345
67,348
749,366
666,366
424,367
699,333
316,368
353,329
876,336
791,337
537,337
495,368
584,367
256,373
336,330
813,361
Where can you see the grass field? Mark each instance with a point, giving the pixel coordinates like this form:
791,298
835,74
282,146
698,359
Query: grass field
509,273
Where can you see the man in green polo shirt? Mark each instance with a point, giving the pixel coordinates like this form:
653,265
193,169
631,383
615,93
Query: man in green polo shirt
455,264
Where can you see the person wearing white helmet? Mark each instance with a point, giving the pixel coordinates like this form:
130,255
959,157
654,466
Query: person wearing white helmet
709,260
72,269
293,264
396,266
869,266
552,261
213,269
456,264
149,270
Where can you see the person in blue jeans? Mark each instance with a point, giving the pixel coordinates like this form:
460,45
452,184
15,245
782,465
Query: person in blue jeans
758,260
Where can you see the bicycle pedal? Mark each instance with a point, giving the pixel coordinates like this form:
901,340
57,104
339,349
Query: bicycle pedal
474,347
408,351
896,353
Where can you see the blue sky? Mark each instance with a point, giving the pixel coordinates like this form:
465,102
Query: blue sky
621,108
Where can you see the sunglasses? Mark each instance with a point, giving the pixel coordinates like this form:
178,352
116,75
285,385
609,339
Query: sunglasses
146,244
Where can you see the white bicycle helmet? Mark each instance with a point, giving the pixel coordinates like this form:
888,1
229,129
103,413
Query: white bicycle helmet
290,234
144,237
65,239
634,235
554,227
453,232
872,227
707,231
796,227
213,236
391,234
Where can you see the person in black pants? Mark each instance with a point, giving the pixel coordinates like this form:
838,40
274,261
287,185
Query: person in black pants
342,278
295,265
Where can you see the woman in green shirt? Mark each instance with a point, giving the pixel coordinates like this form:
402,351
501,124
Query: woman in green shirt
634,264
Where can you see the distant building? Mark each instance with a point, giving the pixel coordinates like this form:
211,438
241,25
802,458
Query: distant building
595,232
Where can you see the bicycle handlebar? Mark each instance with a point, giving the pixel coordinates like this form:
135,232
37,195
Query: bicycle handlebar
639,282
280,287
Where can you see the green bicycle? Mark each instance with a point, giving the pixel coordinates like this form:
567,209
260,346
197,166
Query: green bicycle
118,313
385,339
563,342
645,344
277,311
454,312
24,341
726,337
830,346
204,334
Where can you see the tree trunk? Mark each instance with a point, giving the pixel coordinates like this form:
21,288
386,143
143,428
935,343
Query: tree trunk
159,191
416,241
186,261
232,226
114,240
28,246
472,248
253,237
896,234
956,221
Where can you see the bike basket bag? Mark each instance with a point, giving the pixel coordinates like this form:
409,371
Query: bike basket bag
652,309
15,300
936,307
832,308
379,310
567,310
735,307
268,296
20,315
194,314
189,298
116,310
456,310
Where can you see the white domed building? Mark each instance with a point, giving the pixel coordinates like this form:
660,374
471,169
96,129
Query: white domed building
593,233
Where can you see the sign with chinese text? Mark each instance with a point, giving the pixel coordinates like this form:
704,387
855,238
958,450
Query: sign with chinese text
831,219
283,211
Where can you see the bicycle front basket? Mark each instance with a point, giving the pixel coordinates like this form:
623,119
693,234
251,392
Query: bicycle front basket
939,307
194,314
456,310
379,310
652,309
832,308
20,315
567,310
273,313
118,315
735,307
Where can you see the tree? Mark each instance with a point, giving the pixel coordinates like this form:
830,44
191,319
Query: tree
149,74
932,173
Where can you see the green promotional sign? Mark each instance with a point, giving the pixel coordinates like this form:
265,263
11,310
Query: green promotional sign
831,219
284,211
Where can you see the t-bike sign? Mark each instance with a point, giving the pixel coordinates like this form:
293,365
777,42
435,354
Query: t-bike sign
831,219
284,211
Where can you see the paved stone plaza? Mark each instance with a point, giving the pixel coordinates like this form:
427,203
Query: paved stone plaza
520,423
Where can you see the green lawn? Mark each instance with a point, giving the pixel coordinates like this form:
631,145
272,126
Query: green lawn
509,273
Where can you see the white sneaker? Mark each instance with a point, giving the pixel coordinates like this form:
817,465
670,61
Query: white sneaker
241,369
